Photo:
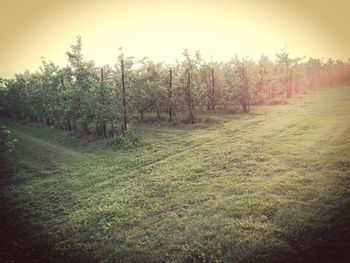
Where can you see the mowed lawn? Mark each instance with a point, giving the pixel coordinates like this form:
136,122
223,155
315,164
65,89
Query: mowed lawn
273,186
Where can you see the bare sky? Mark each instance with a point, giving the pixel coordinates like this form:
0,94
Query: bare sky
161,29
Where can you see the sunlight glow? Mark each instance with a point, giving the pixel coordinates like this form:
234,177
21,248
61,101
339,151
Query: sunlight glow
162,29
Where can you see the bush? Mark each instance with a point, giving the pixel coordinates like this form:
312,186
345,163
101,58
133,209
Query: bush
7,142
129,141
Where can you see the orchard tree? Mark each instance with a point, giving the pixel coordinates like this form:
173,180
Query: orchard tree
285,63
265,72
246,72
84,83
49,88
208,78
152,90
189,79
125,78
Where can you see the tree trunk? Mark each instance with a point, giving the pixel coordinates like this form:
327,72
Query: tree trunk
157,111
85,128
212,90
289,88
208,101
174,114
208,93
98,129
244,106
189,100
112,129
74,126
69,125
170,94
190,117
104,129
125,118
102,107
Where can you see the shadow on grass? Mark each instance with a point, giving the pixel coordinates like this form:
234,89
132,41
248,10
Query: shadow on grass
19,241
329,244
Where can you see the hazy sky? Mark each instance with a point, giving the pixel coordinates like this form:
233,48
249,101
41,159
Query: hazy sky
30,29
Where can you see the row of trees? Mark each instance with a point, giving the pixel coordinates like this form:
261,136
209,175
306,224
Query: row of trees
82,95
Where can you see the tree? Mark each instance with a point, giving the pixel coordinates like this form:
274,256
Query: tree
49,80
188,78
84,82
170,94
245,69
102,118
208,77
313,73
263,88
152,90
285,62
124,105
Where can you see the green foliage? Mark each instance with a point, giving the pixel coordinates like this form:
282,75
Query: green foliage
7,142
89,99
126,142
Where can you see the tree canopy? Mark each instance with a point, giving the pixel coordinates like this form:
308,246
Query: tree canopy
82,96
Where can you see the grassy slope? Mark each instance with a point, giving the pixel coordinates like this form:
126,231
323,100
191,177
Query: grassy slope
272,185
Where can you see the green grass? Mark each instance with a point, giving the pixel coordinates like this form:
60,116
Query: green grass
269,186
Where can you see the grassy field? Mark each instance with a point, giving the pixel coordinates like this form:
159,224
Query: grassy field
270,186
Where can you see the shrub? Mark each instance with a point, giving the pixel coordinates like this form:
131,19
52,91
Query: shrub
129,141
7,142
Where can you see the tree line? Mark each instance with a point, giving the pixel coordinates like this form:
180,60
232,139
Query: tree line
82,96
